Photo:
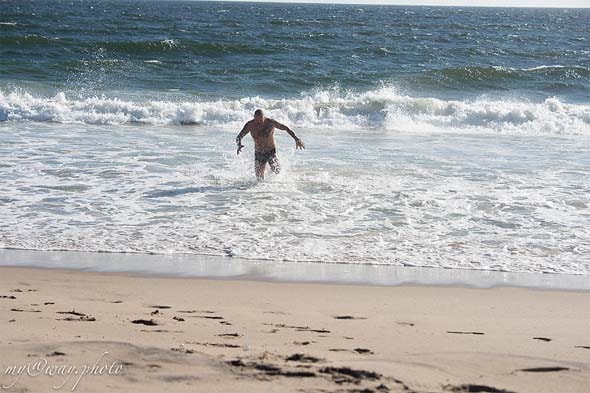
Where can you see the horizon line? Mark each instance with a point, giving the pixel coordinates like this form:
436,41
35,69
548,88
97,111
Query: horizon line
376,2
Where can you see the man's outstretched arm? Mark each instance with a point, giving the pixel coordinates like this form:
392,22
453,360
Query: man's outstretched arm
242,134
298,142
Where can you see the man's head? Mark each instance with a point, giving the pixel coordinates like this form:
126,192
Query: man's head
258,116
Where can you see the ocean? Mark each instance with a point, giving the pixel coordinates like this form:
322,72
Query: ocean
441,137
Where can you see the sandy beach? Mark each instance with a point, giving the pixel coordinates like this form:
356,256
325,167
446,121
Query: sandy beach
97,332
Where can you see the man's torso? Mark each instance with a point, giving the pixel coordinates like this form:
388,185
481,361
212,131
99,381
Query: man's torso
263,135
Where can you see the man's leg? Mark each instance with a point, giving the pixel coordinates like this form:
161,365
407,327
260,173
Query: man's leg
274,164
259,167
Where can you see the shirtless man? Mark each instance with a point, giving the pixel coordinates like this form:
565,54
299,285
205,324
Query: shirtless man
262,130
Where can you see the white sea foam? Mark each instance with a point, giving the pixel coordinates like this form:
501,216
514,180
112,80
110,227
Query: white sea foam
383,108
169,42
471,201
543,67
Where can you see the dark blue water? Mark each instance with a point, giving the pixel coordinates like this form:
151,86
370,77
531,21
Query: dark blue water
233,50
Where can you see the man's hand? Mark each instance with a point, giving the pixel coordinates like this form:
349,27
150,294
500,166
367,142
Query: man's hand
243,133
299,144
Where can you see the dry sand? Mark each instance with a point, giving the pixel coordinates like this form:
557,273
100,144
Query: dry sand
204,335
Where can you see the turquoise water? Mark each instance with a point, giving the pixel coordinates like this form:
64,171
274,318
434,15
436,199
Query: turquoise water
443,137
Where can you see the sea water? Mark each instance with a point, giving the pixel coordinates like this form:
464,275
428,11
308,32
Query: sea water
441,137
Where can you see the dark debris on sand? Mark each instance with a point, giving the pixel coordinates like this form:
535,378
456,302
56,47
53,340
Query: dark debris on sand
270,370
21,310
346,374
459,332
77,316
56,353
347,379
471,388
299,357
347,317
73,312
147,322
84,318
543,369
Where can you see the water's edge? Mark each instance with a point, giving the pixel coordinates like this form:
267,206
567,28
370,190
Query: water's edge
215,267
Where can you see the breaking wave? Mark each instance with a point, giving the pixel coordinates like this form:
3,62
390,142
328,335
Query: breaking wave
382,108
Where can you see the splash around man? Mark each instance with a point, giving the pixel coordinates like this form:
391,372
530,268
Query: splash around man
262,130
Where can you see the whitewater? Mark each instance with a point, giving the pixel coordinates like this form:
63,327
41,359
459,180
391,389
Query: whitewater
384,108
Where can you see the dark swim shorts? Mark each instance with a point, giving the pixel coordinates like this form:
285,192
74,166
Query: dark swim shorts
268,156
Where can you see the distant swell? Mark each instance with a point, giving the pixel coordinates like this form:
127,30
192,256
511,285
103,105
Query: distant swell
335,109
498,72
137,47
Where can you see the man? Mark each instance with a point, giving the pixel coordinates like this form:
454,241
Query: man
262,130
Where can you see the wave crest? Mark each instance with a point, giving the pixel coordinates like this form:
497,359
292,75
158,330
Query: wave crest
376,109
499,73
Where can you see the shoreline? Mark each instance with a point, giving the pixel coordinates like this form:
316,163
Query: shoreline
226,268
221,335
